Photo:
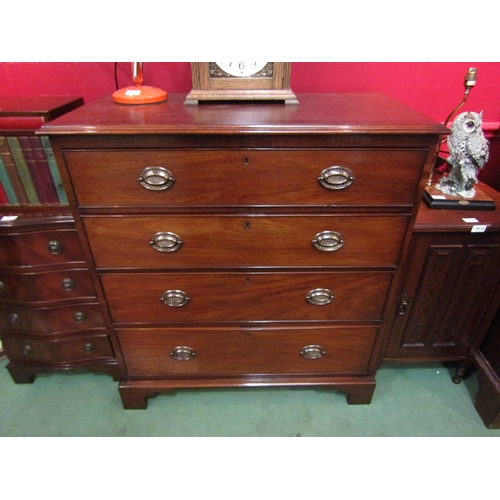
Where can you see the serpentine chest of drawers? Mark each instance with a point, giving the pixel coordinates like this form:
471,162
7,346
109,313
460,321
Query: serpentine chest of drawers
245,244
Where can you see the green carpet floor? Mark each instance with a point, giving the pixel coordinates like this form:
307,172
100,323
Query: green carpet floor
410,400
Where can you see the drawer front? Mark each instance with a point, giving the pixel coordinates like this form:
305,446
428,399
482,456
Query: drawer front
65,350
40,248
245,177
238,241
14,319
205,352
239,297
65,285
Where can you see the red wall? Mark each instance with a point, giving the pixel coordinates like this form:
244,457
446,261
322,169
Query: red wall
431,88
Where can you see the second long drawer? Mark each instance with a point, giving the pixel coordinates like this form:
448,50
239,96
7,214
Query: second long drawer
145,298
240,241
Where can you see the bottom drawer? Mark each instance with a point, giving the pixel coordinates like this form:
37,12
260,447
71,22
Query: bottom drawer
179,352
66,350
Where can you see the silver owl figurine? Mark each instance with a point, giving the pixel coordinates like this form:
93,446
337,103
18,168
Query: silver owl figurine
469,152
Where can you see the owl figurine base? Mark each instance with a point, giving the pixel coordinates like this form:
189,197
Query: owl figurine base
436,199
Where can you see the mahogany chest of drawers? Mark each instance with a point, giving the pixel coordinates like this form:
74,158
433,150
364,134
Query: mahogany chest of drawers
246,244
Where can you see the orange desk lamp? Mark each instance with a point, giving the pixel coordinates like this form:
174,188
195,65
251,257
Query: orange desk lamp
139,94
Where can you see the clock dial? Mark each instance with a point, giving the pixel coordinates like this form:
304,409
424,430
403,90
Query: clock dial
241,69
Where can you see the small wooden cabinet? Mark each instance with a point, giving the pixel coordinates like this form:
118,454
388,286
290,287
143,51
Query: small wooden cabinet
448,296
30,183
50,317
487,362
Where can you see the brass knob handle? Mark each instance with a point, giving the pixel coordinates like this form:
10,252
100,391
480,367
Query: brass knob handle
183,353
14,319
336,178
27,349
2,287
68,284
328,241
312,352
175,298
320,297
54,247
88,347
156,178
166,242
80,317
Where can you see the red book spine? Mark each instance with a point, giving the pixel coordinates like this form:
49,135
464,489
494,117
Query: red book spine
3,196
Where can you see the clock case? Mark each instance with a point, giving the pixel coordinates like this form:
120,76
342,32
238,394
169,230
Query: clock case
210,87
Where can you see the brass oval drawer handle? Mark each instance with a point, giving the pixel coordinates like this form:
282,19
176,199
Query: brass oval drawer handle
183,353
312,352
320,297
175,298
156,178
27,349
2,287
54,247
336,178
166,242
88,347
328,241
68,284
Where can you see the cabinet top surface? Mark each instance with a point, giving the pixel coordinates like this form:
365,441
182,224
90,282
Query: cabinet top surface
317,113
436,220
37,106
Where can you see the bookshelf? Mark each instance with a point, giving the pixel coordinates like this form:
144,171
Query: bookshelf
30,184
29,176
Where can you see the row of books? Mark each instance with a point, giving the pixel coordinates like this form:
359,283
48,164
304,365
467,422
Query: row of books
28,172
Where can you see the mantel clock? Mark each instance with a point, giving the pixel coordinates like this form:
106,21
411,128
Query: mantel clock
241,81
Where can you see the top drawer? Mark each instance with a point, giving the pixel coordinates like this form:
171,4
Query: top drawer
176,178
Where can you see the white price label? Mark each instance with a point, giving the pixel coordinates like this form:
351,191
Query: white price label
7,218
470,220
478,229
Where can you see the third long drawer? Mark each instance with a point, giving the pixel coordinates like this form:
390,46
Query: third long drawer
162,298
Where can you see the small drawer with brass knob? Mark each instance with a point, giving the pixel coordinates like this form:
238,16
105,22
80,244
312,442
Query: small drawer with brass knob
45,287
59,350
54,320
42,243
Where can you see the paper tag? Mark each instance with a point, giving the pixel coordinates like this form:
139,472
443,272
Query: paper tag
478,229
438,197
132,92
7,218
470,220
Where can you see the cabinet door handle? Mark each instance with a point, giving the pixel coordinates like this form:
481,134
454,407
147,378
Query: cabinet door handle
403,304
166,242
336,178
175,298
320,297
312,352
156,178
328,241
2,287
